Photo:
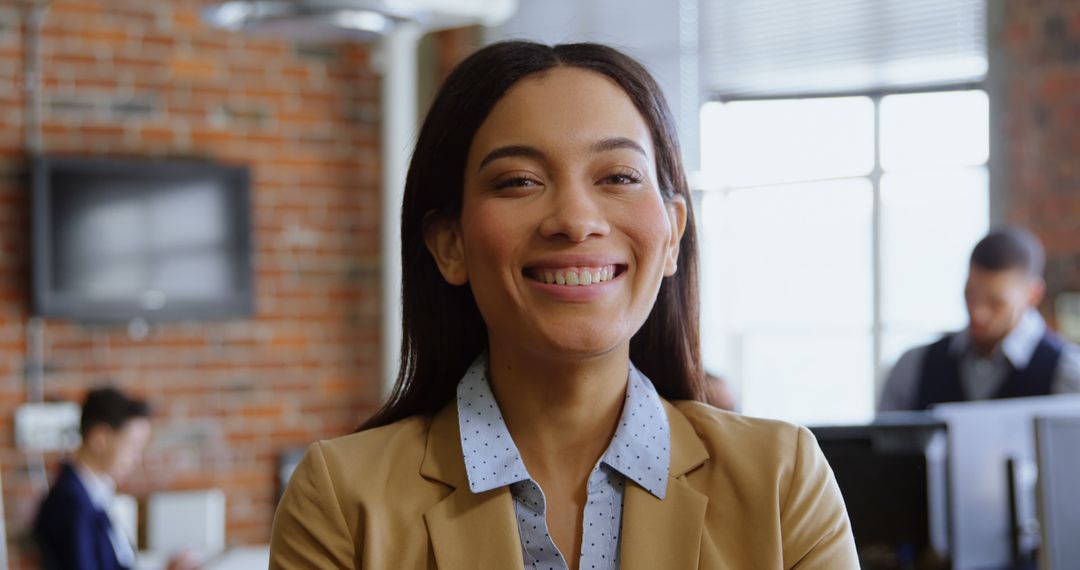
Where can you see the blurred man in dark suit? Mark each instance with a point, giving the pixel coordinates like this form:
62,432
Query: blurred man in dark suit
73,527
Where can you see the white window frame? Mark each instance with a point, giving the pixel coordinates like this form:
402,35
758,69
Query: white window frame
877,329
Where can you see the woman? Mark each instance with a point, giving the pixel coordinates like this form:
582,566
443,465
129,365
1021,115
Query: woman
544,416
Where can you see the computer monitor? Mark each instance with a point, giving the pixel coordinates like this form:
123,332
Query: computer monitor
989,443
1057,442
892,476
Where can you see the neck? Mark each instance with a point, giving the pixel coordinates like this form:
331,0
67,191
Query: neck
986,348
88,461
561,414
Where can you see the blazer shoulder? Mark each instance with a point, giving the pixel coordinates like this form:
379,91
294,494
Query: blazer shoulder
722,431
378,452
412,427
350,491
774,474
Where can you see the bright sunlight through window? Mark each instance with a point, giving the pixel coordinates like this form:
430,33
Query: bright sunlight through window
835,236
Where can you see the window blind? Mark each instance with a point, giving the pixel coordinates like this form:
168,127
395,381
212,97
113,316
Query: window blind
754,48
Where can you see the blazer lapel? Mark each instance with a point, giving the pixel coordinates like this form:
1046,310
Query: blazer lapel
666,533
662,533
475,531
467,530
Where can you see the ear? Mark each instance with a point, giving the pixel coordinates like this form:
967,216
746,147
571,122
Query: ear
1036,290
97,438
676,209
443,239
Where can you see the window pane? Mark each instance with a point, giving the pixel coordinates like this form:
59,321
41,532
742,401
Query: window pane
800,254
717,349
930,222
752,143
808,378
933,130
895,343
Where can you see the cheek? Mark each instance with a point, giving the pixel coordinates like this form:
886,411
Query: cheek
490,235
648,225
486,230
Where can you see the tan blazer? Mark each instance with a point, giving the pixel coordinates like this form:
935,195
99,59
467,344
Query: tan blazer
744,493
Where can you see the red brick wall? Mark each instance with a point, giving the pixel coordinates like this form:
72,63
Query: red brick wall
1042,47
147,78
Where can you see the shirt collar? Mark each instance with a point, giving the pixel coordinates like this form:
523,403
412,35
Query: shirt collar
100,488
640,448
1018,346
491,458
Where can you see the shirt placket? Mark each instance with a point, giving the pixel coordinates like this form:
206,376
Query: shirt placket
603,514
536,543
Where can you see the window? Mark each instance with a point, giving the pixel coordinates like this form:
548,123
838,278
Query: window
835,235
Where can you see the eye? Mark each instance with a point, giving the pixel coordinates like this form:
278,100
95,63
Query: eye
621,178
516,182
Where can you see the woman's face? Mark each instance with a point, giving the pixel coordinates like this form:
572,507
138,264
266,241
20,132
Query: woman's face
564,237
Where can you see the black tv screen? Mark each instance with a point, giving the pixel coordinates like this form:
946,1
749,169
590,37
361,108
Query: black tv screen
116,240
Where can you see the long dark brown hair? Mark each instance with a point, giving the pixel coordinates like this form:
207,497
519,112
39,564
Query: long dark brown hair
443,329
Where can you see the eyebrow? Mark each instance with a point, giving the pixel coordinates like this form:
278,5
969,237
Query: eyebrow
509,151
603,145
615,143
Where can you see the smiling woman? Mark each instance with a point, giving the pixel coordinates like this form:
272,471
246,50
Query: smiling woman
545,414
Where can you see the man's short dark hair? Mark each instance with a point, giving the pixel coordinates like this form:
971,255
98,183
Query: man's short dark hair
110,407
1010,248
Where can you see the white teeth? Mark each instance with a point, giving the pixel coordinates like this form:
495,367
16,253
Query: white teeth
575,276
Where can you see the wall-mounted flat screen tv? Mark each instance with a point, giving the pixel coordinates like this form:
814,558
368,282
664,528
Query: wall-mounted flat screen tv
116,240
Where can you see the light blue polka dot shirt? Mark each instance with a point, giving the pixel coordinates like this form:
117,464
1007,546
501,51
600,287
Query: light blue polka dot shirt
639,453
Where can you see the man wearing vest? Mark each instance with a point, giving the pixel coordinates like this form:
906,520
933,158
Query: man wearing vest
1005,352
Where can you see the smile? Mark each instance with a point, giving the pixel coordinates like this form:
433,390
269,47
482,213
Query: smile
574,276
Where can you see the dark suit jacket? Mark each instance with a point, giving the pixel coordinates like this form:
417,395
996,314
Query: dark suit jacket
72,532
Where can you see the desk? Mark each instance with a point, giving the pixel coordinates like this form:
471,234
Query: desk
235,558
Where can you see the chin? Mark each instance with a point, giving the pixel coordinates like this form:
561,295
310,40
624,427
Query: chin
588,343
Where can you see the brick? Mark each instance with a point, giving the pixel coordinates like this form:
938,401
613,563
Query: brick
193,69
154,43
113,37
187,19
266,48
78,8
155,134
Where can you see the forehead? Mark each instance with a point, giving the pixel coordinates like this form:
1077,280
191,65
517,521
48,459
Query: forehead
136,427
563,109
996,279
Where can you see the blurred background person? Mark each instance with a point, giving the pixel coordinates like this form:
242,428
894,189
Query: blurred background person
717,393
73,526
1006,351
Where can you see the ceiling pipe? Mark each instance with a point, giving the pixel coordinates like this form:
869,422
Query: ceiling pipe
396,26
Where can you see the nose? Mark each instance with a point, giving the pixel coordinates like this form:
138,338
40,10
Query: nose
978,313
574,213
